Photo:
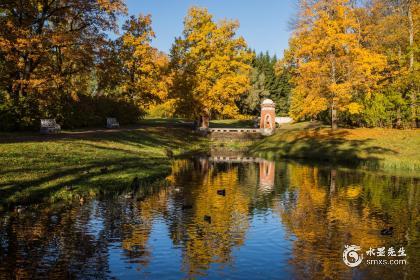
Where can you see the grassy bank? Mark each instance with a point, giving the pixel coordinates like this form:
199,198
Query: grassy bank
387,149
232,123
87,162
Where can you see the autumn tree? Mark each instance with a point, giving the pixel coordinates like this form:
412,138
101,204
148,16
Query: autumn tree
134,70
210,65
47,48
389,28
332,70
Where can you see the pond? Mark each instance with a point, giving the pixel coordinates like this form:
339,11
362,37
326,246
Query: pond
222,218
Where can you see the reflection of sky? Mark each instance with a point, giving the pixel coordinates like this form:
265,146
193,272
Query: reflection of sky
165,260
96,221
266,249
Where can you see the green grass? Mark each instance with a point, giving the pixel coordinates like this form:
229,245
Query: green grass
232,123
165,122
35,167
386,149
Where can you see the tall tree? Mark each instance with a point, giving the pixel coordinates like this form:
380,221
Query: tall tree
132,68
45,45
332,68
388,27
211,66
250,101
265,83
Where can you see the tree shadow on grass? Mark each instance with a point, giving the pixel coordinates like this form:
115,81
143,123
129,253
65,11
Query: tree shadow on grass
88,180
125,155
140,134
316,146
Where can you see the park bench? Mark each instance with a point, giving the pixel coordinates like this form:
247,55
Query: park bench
112,123
49,126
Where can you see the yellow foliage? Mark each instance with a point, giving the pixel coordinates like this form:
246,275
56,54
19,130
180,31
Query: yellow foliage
163,110
211,65
354,108
332,68
146,79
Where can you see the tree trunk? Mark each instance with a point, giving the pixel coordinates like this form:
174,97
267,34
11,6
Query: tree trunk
334,118
204,120
398,123
333,107
411,66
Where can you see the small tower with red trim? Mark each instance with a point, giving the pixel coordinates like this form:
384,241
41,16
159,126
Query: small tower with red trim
268,117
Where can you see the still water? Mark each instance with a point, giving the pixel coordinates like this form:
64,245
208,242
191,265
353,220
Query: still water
218,218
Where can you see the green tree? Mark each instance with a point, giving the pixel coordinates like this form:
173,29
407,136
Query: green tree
389,28
265,83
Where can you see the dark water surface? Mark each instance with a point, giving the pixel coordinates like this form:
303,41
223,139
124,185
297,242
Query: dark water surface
253,220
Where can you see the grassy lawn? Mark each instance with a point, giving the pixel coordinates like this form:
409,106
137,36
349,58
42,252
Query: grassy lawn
387,149
165,122
35,167
232,123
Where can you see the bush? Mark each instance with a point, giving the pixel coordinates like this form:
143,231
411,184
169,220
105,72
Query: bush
164,110
84,112
93,111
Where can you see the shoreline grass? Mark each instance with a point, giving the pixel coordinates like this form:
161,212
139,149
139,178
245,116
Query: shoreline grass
375,148
35,167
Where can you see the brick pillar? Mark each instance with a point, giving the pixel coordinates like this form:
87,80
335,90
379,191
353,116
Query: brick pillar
268,117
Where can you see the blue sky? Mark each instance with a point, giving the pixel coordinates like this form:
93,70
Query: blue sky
264,23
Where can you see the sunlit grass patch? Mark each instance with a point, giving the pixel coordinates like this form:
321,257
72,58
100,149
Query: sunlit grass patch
34,168
231,123
373,148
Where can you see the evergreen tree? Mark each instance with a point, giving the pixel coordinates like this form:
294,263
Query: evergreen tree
265,83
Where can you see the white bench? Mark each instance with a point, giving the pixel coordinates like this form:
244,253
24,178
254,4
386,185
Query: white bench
49,126
112,123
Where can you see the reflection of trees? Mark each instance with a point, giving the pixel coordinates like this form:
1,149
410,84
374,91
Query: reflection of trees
51,243
136,230
73,241
324,209
332,209
208,242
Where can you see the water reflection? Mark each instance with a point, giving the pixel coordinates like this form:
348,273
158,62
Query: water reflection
220,217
